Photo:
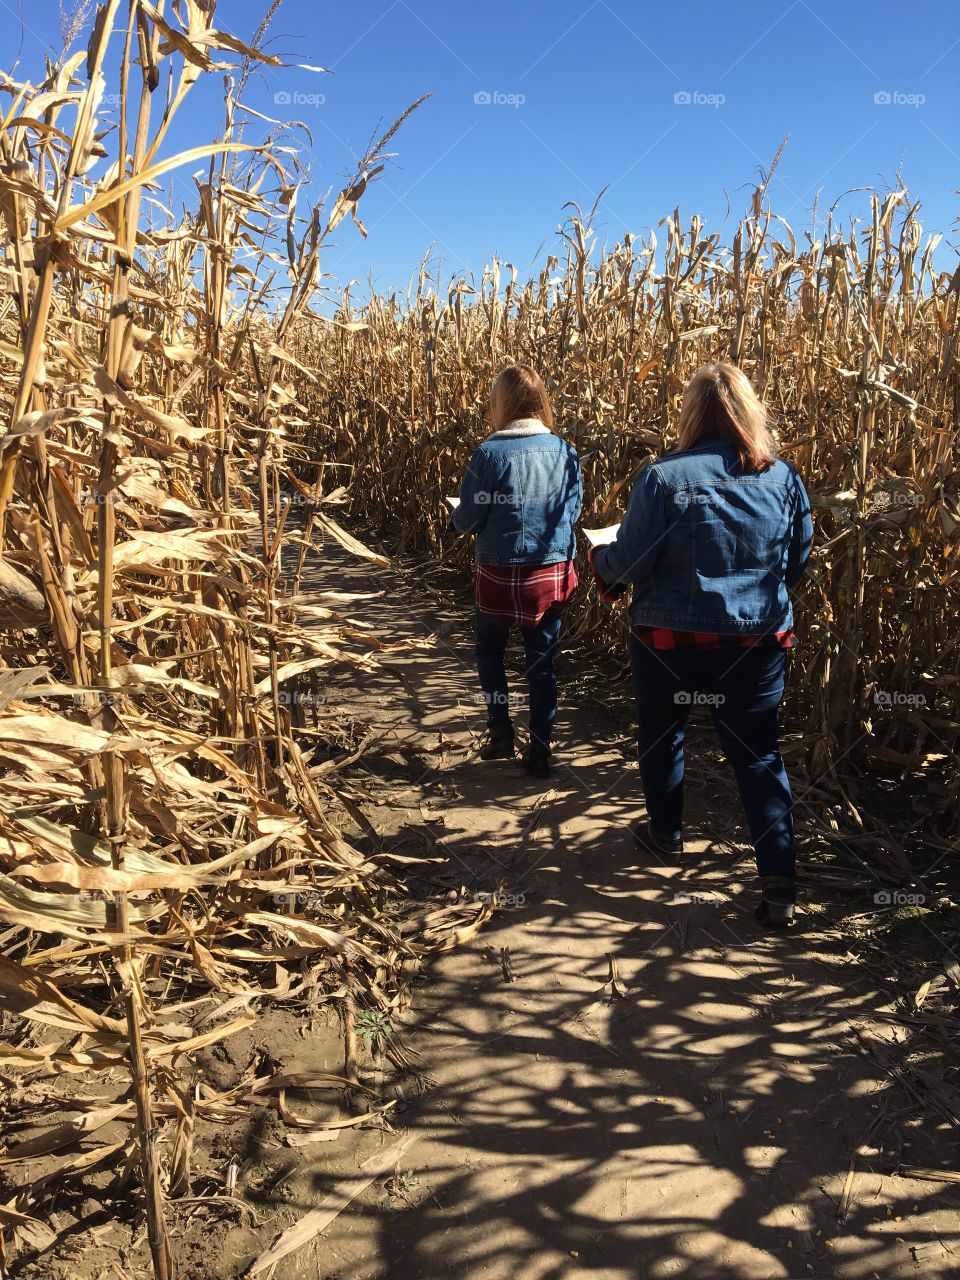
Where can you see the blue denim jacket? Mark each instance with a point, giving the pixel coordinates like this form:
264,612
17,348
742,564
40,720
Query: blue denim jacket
521,496
710,548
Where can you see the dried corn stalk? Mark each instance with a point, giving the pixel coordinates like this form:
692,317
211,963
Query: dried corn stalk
156,812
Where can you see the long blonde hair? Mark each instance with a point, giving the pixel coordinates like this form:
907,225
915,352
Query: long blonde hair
720,401
518,392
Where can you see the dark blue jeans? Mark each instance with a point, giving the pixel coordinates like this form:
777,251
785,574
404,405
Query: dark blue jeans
540,644
743,689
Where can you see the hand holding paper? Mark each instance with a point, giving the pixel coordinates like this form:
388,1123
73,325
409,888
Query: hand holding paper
601,537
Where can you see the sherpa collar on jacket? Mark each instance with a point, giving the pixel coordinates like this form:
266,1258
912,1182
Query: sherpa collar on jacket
521,427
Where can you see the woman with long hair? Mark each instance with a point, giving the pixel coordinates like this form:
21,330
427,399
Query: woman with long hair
716,533
521,496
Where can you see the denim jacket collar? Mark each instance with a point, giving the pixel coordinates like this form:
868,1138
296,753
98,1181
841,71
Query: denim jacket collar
709,444
520,427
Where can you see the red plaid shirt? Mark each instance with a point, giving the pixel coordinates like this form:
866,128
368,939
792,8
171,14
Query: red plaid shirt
664,638
521,593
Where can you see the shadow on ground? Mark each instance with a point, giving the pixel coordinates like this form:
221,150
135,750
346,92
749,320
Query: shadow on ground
631,1079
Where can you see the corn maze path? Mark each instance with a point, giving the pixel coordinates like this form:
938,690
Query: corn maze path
625,1084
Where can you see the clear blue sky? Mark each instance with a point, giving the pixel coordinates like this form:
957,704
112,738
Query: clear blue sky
585,97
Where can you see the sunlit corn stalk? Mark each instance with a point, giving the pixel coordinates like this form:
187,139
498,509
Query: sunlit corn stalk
141,634
129,967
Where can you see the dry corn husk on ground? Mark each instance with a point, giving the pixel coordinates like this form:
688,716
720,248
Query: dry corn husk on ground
153,800
850,336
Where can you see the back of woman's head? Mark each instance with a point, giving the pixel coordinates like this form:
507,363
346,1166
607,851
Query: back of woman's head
720,401
518,392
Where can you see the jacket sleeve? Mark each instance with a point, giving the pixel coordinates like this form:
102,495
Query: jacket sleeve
605,590
801,539
640,541
475,490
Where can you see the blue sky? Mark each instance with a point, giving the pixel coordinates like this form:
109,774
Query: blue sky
663,104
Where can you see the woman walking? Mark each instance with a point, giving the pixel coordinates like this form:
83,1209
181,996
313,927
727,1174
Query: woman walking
521,496
715,535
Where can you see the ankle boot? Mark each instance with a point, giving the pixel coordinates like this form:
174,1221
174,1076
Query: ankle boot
778,897
665,848
498,743
537,760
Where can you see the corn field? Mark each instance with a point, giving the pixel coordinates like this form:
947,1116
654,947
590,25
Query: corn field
154,803
172,399
851,338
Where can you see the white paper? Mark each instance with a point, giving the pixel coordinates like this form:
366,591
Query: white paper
452,502
601,537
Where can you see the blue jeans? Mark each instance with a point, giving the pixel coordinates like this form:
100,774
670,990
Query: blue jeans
743,689
540,644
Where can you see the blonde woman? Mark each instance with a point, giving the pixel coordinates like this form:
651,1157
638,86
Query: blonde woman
521,496
715,535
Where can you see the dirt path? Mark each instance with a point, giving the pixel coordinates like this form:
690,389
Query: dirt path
701,1121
